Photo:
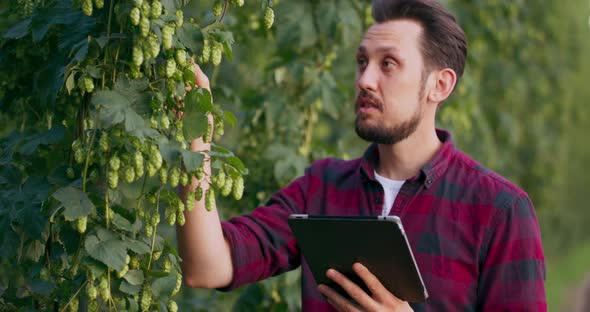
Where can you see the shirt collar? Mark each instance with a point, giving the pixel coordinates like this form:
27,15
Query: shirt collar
430,173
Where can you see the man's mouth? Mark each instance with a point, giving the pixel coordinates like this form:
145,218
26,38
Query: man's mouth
366,105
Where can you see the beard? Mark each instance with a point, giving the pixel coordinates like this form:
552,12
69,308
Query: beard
388,135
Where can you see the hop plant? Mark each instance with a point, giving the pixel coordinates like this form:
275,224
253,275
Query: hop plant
216,52
209,199
269,17
87,7
134,16
79,156
190,201
151,169
137,55
93,306
198,196
184,179
170,215
138,161
146,298
217,7
87,84
129,174
146,9
178,283
220,179
167,266
164,121
167,33
74,304
180,56
180,218
113,177
238,187
207,135
137,3
114,163
163,175
179,18
172,306
238,3
144,26
156,9
170,68
227,186
206,53
70,173
91,291
219,126
81,224
99,4
103,142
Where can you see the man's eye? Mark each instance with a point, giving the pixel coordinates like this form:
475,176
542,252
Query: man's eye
388,64
361,62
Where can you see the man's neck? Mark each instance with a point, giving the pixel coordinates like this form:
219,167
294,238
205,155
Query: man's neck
403,160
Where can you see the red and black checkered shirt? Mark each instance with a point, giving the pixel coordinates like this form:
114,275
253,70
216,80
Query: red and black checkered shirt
475,235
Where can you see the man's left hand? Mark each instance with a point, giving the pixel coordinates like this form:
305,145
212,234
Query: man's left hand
379,300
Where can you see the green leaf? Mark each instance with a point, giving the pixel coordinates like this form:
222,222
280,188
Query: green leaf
19,30
189,76
76,203
237,163
164,285
133,306
122,223
32,142
230,117
111,252
191,37
41,287
134,277
138,247
34,250
130,289
198,99
70,82
192,160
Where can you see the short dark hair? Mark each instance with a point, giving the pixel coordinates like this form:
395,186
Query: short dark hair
443,42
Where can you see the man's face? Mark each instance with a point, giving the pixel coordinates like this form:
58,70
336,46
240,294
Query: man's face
390,80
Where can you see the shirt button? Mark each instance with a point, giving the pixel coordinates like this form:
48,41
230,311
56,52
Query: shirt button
429,181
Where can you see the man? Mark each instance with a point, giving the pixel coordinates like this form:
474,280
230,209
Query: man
475,235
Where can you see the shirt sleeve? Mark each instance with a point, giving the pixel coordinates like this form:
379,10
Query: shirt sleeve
512,275
261,242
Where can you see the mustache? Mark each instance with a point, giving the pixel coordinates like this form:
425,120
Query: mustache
364,98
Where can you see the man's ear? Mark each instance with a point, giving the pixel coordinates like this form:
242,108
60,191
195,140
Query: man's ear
444,82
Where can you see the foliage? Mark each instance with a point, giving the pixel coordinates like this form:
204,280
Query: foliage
101,96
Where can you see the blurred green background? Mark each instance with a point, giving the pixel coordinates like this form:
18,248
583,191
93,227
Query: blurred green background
521,109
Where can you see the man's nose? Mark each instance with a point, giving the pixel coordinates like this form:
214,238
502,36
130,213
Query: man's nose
367,79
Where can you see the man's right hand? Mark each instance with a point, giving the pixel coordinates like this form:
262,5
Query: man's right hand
206,255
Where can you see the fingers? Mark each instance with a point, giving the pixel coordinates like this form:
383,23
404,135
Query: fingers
336,300
351,288
201,80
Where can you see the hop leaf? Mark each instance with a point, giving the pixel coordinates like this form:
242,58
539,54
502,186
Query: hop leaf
269,17
134,16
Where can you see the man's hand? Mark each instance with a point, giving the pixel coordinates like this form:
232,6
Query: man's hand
381,299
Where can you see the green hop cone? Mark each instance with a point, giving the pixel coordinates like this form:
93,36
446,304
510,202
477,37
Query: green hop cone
103,142
93,305
70,173
138,161
238,3
227,187
153,45
134,16
178,284
219,127
153,122
170,216
144,26
137,55
155,220
216,52
114,163
198,195
174,177
91,291
146,9
190,201
217,7
87,7
113,177
179,18
180,56
135,73
134,263
129,174
167,266
172,306
105,294
167,33
149,230
155,156
238,187
269,17
156,9
170,68
124,271
206,56
81,224
184,179
99,4
180,218
146,298
88,84
137,3
163,175
220,179
157,255
207,135
151,169
79,156
74,305
209,199
165,121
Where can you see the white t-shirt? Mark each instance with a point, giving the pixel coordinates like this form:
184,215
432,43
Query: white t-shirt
391,188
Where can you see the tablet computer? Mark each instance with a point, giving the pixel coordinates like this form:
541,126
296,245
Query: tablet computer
377,242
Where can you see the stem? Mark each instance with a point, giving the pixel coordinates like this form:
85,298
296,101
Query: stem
85,172
106,51
74,296
155,230
106,208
